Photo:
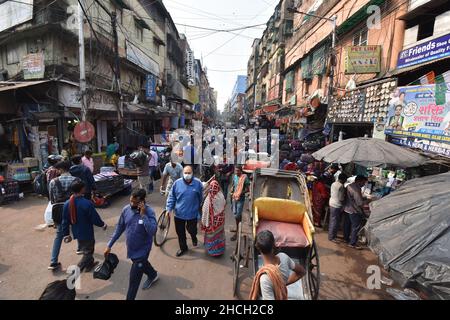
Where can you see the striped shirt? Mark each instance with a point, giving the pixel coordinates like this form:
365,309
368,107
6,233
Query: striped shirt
56,195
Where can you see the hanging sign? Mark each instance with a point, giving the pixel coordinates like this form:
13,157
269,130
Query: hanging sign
84,132
363,59
150,88
33,66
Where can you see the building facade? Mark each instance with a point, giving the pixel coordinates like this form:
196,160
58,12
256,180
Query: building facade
270,58
133,93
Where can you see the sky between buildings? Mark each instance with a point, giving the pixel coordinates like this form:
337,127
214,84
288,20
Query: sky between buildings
224,54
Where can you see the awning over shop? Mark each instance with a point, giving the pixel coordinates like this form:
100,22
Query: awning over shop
270,109
6,85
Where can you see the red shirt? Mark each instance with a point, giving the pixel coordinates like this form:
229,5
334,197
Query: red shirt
291,166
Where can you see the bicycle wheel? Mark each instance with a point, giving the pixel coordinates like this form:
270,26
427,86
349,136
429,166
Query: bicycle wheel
163,229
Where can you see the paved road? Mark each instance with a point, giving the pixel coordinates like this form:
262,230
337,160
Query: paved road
25,254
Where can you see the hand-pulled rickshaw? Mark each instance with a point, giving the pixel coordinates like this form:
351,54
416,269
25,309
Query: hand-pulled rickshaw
281,204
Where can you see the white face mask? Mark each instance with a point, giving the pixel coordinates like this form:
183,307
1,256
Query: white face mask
187,177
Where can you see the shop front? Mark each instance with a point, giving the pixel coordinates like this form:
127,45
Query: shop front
361,112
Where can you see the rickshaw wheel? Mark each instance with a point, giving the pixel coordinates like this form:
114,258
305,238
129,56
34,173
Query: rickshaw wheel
313,272
237,260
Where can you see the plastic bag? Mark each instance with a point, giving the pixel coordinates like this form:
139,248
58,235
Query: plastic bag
138,158
406,294
104,270
48,214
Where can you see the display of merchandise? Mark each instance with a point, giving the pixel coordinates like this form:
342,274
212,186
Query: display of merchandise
9,191
366,104
109,183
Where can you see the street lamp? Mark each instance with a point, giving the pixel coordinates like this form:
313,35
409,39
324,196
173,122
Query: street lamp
333,20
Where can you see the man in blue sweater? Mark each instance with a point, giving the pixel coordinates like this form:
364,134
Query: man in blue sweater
139,222
81,215
185,201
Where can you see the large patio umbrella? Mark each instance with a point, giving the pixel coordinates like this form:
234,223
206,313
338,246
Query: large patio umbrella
369,152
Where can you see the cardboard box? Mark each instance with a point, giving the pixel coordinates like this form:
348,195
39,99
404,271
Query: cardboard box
31,162
14,169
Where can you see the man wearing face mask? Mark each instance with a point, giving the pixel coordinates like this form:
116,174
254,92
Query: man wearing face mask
184,202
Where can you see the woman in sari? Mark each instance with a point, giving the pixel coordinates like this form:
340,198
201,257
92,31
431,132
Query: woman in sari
213,220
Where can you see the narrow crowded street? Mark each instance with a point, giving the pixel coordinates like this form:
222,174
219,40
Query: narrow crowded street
25,254
290,150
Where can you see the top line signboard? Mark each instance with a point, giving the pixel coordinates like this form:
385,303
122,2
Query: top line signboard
428,51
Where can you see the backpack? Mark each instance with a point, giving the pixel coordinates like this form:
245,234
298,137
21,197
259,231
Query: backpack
58,290
58,206
40,185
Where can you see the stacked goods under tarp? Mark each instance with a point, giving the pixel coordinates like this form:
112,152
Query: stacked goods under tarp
410,232
109,183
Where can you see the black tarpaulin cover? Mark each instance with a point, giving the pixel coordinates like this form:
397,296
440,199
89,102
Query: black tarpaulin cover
410,232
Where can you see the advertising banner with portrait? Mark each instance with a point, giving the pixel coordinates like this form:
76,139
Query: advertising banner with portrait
414,112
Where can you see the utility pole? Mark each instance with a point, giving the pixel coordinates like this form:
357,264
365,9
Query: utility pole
332,60
117,86
82,62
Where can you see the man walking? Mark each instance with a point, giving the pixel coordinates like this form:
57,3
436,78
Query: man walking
59,192
239,188
172,172
355,212
336,204
82,172
185,201
139,222
88,161
50,173
153,164
143,171
80,214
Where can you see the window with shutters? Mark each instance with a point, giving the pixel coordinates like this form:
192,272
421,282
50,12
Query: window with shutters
360,38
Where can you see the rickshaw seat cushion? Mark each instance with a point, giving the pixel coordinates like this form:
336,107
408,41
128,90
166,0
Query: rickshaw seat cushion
287,235
281,210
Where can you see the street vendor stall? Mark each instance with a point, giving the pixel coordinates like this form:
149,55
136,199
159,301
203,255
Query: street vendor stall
109,184
410,232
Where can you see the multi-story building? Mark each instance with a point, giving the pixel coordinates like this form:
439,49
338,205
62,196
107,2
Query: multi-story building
252,76
423,70
270,52
369,35
133,93
40,43
237,100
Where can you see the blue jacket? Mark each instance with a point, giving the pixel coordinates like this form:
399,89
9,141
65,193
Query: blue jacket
84,173
87,218
186,199
139,232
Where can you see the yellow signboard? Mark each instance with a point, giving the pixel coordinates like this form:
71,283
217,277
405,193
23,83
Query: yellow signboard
363,59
